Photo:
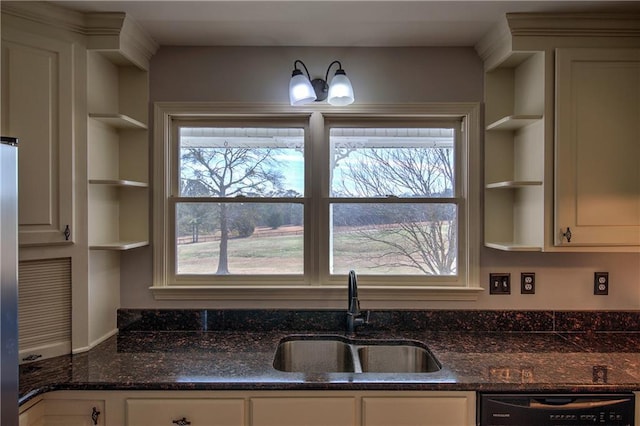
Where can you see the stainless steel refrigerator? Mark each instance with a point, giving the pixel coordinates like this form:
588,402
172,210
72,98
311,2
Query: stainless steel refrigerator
8,281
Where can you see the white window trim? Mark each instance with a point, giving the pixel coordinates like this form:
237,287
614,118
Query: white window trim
329,294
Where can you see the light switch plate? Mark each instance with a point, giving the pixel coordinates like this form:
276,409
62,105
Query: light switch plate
500,283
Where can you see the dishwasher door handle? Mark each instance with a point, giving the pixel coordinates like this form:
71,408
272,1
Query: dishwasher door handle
564,403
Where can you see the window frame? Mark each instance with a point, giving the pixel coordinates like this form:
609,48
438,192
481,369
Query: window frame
174,198
340,121
316,288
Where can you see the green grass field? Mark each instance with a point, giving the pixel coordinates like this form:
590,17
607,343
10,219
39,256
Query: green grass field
283,254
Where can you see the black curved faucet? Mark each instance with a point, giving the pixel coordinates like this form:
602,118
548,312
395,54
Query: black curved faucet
354,315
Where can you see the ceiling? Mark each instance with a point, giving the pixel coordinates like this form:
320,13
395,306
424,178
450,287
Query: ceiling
330,22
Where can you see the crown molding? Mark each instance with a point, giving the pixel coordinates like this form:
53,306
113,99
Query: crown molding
46,14
120,37
503,44
574,24
113,33
495,46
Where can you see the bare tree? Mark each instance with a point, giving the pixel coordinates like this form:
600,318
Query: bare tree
229,172
416,235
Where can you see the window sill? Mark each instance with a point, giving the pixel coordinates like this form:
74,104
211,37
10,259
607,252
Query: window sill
324,295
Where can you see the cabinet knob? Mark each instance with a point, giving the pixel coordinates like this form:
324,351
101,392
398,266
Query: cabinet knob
567,234
94,415
181,422
67,233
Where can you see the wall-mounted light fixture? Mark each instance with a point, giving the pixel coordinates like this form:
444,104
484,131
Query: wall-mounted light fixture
303,90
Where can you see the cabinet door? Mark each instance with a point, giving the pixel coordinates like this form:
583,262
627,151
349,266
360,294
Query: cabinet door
69,412
301,411
33,416
597,170
196,412
417,411
37,108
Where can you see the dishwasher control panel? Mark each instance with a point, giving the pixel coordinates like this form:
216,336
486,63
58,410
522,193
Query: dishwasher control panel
608,409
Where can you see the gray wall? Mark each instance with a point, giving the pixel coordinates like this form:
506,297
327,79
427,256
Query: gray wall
379,75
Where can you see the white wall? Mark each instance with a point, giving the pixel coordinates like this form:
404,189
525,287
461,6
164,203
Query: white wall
379,75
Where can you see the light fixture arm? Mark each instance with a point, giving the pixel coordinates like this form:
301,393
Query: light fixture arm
326,76
295,67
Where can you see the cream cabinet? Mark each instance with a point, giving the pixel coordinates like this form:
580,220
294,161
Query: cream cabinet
74,90
303,410
179,411
562,110
32,414
38,104
252,408
63,412
117,154
118,172
514,153
597,173
117,159
437,409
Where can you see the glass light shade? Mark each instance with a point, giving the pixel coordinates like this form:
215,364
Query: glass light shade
340,90
300,90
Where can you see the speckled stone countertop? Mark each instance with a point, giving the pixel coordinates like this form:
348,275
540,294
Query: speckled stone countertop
166,350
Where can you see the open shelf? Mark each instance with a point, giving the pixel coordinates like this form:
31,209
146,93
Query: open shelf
118,163
514,122
512,184
119,245
119,182
119,121
508,246
514,153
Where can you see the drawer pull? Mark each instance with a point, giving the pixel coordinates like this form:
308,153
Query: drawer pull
94,415
181,422
32,357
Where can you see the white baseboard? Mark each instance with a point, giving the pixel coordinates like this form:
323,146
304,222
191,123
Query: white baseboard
95,342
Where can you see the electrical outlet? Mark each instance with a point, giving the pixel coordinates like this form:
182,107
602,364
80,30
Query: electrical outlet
600,374
600,283
528,283
500,283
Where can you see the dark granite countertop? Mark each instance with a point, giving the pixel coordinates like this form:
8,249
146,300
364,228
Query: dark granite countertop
242,360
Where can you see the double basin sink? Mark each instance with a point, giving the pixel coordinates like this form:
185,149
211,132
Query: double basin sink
338,354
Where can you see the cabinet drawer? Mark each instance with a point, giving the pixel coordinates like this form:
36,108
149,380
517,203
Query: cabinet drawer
199,412
33,416
422,411
294,411
74,412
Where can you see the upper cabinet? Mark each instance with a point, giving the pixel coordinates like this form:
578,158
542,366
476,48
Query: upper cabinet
38,107
562,125
597,193
75,92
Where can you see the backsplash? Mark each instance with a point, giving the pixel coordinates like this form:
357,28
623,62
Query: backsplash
334,320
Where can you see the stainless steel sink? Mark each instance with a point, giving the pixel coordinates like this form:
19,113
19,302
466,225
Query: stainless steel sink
335,354
397,359
314,356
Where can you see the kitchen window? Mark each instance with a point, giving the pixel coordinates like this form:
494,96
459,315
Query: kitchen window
279,205
239,199
393,200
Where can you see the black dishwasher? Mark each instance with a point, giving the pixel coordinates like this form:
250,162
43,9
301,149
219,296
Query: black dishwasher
609,409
